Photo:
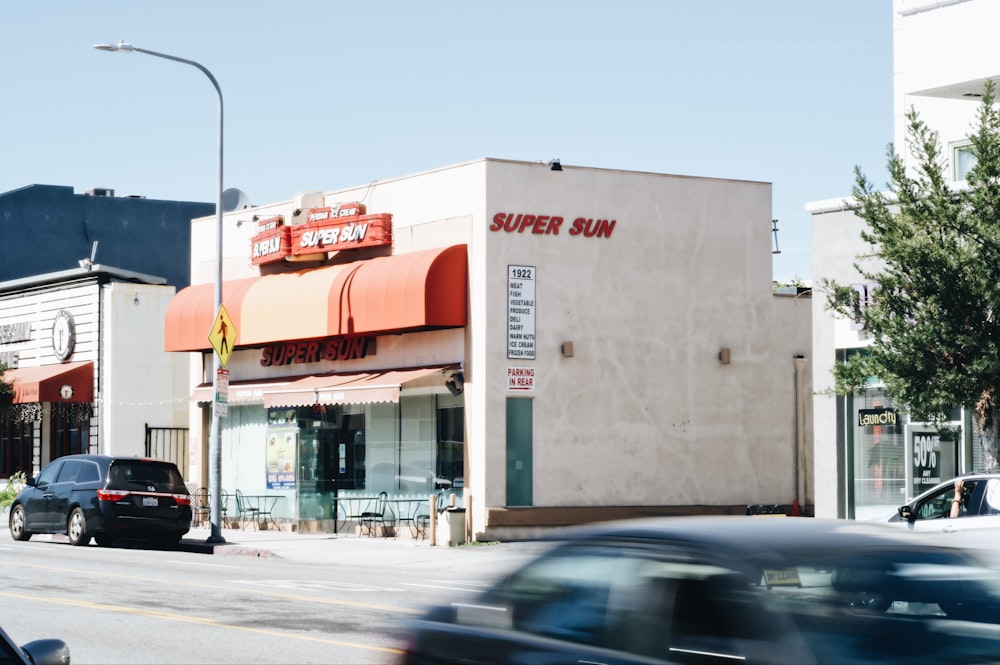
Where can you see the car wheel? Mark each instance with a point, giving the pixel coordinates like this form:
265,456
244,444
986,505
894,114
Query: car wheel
104,540
76,528
18,524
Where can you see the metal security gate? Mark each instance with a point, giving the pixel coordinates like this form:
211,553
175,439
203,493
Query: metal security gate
168,443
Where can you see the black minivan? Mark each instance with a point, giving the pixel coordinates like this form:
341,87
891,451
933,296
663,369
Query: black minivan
105,498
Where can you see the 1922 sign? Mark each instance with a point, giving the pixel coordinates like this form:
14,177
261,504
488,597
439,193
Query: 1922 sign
521,312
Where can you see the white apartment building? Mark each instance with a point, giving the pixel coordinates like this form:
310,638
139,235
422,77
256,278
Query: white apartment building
943,52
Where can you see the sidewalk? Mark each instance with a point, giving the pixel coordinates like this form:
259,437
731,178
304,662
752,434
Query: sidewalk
346,549
328,548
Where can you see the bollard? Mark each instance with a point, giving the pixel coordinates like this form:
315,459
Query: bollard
433,512
468,515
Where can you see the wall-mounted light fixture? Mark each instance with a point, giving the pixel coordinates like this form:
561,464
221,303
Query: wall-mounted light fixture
455,383
554,165
724,354
567,349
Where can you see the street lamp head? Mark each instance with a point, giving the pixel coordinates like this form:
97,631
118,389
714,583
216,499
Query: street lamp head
120,46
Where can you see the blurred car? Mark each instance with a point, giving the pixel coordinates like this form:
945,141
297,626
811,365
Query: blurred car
978,523
105,498
725,590
38,652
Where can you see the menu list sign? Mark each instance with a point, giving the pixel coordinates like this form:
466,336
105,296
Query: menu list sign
521,312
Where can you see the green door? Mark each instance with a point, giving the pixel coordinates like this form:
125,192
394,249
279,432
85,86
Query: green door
519,447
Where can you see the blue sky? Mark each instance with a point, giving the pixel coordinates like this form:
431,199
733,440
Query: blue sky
329,94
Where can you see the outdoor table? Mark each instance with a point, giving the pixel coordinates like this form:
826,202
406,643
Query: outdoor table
349,509
264,504
406,510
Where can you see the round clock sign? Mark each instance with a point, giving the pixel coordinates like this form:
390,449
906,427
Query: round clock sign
63,334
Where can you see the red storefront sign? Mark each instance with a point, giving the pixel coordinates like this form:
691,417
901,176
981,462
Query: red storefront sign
330,235
341,348
329,229
271,246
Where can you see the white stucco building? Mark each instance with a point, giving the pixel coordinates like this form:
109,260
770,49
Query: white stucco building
867,453
85,359
616,342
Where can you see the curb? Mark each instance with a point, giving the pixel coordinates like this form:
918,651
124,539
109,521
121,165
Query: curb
227,549
185,545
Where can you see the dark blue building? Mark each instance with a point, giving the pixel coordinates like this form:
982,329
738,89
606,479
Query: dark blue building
48,228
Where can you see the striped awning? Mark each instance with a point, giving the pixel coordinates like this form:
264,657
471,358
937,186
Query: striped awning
356,387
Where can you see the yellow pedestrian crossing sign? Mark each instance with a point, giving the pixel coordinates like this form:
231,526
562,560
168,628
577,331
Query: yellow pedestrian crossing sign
223,335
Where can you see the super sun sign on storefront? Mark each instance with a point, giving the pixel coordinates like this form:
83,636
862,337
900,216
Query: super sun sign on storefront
330,229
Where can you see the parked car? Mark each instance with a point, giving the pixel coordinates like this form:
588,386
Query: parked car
105,498
38,652
978,522
725,590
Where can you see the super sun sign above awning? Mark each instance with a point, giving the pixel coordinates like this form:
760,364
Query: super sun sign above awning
343,226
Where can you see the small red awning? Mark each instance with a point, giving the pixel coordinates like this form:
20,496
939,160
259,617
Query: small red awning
68,382
354,388
423,290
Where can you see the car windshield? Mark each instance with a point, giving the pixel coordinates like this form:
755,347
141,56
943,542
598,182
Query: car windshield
877,606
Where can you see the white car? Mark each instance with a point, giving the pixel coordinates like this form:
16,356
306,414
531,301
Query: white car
978,522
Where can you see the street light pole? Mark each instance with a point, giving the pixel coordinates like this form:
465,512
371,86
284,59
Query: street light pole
215,440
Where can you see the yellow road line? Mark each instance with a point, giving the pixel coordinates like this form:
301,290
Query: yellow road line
219,587
104,607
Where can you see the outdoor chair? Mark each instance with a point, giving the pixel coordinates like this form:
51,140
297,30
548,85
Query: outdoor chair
224,506
376,516
202,511
245,511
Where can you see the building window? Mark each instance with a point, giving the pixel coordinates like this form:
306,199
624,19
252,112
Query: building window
413,447
450,458
70,429
15,447
962,160
879,454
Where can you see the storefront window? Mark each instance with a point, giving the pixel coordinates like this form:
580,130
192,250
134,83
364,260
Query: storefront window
879,454
70,429
894,459
450,458
15,446
408,448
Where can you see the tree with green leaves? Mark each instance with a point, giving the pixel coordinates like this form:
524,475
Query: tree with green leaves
6,390
933,316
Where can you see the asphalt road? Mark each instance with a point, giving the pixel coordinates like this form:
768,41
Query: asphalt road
300,599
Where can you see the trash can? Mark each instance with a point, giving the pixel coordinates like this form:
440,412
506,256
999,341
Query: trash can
452,526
